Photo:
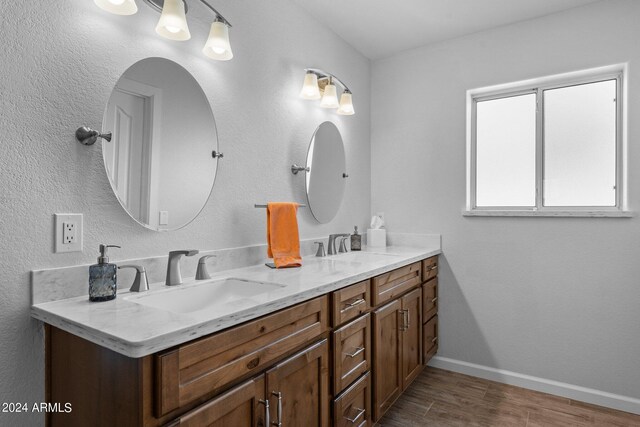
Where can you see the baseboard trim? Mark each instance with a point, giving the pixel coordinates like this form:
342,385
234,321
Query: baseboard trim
570,391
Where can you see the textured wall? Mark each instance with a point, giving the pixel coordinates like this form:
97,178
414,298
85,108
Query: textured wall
555,298
58,63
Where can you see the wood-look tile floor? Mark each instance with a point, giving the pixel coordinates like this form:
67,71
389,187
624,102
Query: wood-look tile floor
442,398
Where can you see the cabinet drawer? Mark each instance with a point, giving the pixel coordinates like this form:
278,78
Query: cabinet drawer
351,352
353,407
350,302
395,283
201,368
240,406
430,268
430,339
430,299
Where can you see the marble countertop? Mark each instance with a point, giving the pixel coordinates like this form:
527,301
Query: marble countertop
137,330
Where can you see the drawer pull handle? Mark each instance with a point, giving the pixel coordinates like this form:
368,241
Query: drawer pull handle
355,353
434,339
360,413
433,267
434,300
267,410
253,363
354,303
278,422
408,318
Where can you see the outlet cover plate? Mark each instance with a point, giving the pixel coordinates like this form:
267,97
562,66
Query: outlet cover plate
61,237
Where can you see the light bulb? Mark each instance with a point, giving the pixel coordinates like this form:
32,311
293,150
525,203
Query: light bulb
310,88
173,21
346,104
329,99
118,7
218,45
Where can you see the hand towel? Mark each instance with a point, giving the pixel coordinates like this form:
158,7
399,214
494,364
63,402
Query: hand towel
283,240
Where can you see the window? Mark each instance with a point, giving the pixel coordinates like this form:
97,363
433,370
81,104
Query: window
551,146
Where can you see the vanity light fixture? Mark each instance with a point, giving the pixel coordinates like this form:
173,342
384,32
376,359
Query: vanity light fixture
173,23
317,82
118,7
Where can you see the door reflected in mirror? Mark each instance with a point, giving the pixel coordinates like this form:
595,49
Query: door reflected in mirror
160,161
326,179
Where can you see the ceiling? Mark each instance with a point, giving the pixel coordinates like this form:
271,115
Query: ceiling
380,28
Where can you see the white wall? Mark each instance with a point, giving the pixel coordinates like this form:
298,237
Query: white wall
58,63
556,298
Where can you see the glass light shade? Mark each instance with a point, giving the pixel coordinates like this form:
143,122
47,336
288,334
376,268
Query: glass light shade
218,46
118,7
173,21
329,99
346,105
310,88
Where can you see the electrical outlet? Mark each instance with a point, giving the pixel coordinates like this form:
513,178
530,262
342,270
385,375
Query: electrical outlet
68,233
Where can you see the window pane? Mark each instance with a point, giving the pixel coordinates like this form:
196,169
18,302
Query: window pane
506,151
580,145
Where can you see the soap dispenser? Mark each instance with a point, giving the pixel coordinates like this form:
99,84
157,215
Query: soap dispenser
103,282
356,240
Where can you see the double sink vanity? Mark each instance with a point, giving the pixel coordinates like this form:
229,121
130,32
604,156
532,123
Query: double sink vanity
334,342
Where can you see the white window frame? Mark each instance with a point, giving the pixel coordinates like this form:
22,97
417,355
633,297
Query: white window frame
538,86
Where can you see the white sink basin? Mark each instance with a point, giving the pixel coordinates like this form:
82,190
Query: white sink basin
209,299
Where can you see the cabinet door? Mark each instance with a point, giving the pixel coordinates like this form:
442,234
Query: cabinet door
239,407
298,388
387,357
411,336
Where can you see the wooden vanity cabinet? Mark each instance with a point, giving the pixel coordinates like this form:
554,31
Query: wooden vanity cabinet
354,350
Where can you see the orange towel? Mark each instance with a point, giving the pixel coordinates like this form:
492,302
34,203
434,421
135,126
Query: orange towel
282,234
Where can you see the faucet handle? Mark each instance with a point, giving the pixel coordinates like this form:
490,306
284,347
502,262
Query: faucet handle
140,283
320,252
343,246
187,252
201,272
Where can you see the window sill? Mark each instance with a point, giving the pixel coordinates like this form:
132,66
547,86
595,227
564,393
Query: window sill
559,213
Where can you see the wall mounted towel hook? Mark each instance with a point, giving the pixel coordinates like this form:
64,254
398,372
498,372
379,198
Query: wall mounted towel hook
88,136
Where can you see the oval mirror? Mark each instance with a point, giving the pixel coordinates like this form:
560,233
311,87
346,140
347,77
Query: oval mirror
160,161
327,172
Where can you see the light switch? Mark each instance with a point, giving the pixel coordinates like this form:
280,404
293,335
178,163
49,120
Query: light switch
164,217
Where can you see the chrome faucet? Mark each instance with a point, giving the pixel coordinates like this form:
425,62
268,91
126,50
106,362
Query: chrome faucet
202,273
173,266
332,243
